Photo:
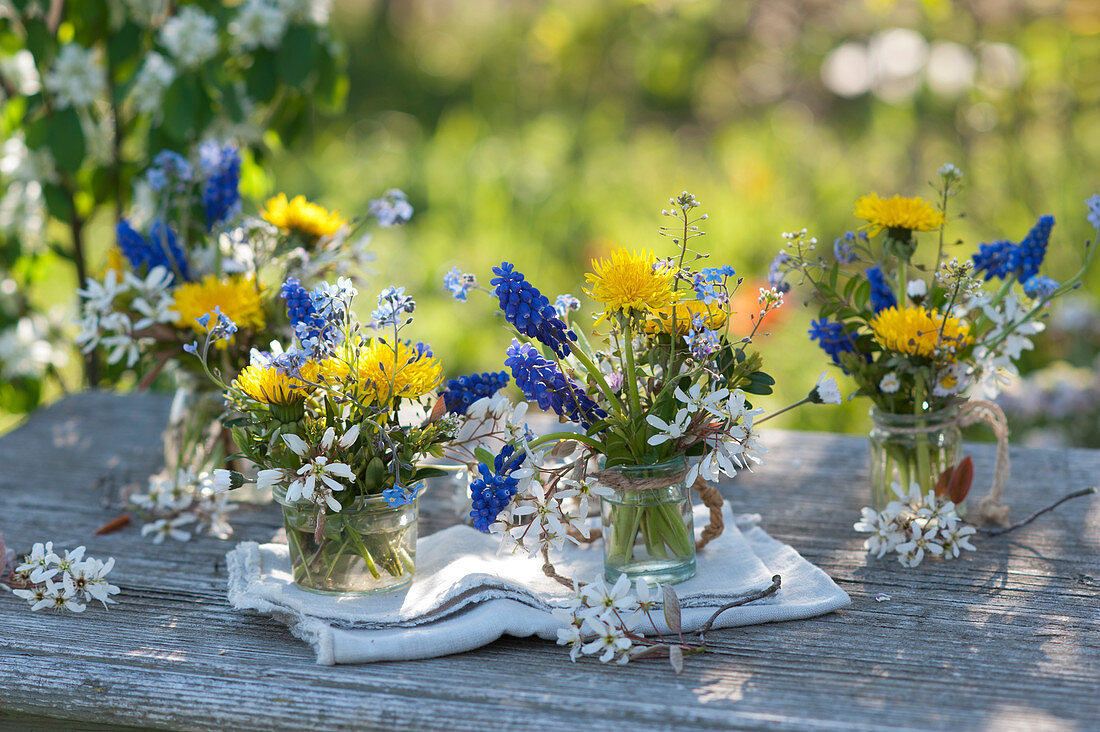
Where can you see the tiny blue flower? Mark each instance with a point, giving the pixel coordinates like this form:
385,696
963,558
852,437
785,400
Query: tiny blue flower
1093,216
392,209
1040,287
459,283
563,304
400,495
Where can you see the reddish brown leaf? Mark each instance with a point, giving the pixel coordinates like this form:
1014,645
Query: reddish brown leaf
943,480
961,479
116,524
438,409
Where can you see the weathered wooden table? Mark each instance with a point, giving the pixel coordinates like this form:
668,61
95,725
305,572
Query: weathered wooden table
1005,638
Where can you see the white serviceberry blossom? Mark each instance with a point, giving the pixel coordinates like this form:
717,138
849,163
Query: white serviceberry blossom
917,290
26,349
826,391
915,526
23,212
154,76
318,477
696,400
76,78
62,582
890,383
609,641
146,12
258,23
164,528
673,430
190,36
20,72
270,478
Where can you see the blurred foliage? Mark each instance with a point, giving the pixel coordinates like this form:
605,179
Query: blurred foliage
541,132
89,93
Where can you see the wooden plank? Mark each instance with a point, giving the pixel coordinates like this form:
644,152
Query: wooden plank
1006,638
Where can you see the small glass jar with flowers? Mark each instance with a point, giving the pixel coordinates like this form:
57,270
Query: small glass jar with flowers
186,248
656,400
340,427
928,336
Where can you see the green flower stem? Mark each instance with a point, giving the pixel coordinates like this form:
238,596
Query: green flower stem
578,436
924,466
360,547
593,371
296,546
631,376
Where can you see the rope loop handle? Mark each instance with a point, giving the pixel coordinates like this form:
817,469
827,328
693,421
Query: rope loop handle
990,510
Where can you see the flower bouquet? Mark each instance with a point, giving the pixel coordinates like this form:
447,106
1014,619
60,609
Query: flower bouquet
186,251
927,336
659,394
328,423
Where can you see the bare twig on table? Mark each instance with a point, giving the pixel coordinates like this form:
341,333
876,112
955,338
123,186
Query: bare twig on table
1005,529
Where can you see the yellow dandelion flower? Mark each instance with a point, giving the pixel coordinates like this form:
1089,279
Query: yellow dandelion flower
115,261
385,374
269,385
236,296
910,214
630,282
917,332
300,215
661,320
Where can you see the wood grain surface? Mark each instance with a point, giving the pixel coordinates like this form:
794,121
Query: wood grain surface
1004,638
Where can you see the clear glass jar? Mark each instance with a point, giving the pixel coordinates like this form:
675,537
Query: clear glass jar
365,548
911,448
648,530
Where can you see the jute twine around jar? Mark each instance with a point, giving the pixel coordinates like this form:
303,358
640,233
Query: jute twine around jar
615,480
708,494
990,509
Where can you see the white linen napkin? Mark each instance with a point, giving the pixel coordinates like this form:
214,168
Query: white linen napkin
465,595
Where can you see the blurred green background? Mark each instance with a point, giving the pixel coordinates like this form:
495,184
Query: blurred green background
545,132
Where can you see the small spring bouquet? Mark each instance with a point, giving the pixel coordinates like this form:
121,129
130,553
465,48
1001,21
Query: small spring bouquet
340,426
196,252
188,250
920,330
658,394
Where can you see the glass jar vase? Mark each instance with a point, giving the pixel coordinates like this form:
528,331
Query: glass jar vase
365,548
911,448
648,531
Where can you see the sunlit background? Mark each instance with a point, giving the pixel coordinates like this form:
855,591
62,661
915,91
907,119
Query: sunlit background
545,132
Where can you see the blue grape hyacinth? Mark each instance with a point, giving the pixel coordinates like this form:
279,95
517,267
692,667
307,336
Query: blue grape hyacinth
221,198
833,339
496,487
461,392
541,380
882,297
160,249
1033,249
530,311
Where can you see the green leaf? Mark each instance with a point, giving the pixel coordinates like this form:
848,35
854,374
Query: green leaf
124,44
484,456
186,108
66,139
425,473
57,203
296,54
261,81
